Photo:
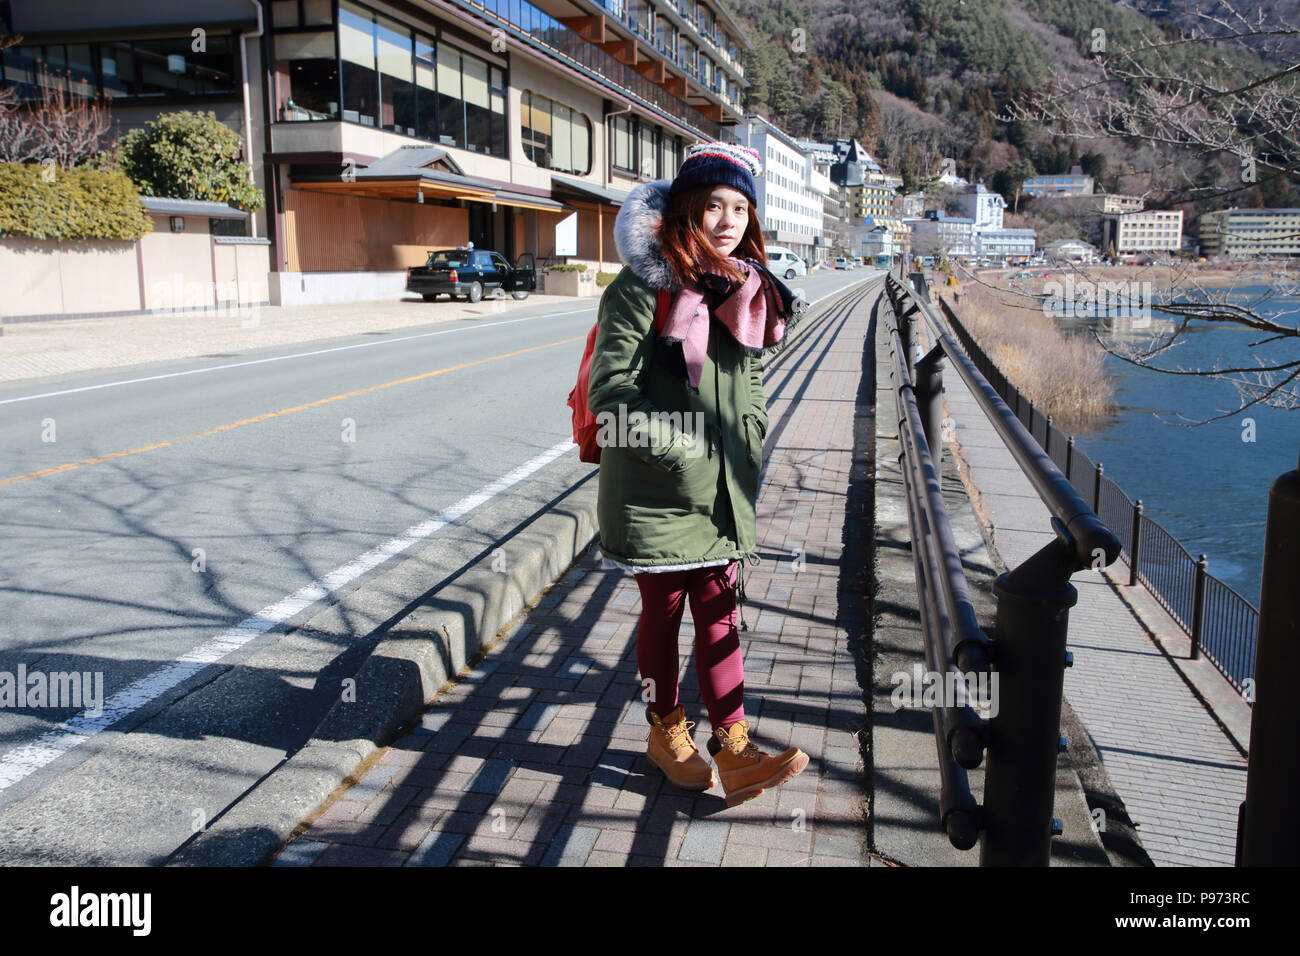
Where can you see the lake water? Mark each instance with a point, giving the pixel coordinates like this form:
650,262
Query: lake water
1207,485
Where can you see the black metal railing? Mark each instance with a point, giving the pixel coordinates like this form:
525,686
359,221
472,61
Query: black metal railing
1257,650
1225,629
1021,740
544,29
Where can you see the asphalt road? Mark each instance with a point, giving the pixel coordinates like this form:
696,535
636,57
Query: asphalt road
218,540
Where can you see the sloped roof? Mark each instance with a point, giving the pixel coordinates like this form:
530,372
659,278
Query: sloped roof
191,207
407,162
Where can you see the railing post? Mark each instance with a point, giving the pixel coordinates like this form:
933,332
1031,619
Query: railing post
1069,459
920,285
906,331
1270,834
1030,426
1198,598
1096,489
1047,442
1020,783
929,400
1135,544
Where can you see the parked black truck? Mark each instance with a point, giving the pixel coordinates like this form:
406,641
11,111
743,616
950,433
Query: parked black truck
471,273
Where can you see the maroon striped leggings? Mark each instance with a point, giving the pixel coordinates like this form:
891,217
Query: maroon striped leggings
718,664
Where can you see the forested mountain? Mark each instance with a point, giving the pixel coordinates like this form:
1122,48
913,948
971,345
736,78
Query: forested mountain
917,80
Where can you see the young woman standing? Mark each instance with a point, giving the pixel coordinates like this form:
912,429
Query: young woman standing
676,505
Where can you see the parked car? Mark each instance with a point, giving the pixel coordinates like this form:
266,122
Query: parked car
471,273
782,262
840,262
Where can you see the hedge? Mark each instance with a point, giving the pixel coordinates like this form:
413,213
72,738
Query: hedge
77,203
605,278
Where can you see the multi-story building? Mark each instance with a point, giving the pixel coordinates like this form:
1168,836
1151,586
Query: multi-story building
853,164
380,129
1152,230
910,206
835,215
982,206
993,240
791,191
1009,245
876,241
1250,232
870,202
1117,202
938,234
1073,183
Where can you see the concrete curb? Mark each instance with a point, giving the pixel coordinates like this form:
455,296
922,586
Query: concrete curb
418,655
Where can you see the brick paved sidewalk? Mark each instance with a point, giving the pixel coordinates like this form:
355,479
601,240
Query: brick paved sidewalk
538,757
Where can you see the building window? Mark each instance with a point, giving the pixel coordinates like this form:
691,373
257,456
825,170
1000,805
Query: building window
159,68
474,86
622,131
426,88
306,76
555,136
451,112
646,153
357,52
396,77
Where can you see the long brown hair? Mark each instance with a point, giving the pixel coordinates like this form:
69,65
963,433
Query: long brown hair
687,248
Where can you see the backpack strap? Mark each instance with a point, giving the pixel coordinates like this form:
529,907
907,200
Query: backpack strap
661,310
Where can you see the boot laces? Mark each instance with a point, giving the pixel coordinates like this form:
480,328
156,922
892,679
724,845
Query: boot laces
679,734
750,750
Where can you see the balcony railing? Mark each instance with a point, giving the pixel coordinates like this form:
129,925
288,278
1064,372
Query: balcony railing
544,30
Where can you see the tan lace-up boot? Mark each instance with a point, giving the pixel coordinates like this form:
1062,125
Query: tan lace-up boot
671,749
747,771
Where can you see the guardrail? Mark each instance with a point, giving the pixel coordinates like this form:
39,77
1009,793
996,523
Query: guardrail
1214,615
1217,618
1015,823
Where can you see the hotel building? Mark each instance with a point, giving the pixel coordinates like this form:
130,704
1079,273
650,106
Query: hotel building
380,130
791,192
1250,232
1151,230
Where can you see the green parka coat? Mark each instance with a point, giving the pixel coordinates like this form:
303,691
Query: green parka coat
684,498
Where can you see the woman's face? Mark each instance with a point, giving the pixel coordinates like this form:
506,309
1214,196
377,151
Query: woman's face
726,218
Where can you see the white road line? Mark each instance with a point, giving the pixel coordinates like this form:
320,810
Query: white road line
282,358
28,758
295,355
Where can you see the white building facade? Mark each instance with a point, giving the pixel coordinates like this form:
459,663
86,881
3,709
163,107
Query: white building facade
791,192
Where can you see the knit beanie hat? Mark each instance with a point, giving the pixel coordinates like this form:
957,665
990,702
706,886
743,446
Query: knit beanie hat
713,164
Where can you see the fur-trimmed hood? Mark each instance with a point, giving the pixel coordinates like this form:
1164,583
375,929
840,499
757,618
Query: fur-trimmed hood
636,235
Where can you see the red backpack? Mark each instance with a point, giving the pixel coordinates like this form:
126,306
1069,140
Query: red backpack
585,429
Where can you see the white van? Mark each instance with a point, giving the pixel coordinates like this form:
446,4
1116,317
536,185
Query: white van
782,262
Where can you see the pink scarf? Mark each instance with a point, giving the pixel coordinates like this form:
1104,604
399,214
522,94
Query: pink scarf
752,314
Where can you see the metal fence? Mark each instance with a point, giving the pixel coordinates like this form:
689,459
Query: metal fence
1217,618
1014,823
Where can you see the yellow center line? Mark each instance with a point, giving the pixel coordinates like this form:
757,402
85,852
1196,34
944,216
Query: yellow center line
98,459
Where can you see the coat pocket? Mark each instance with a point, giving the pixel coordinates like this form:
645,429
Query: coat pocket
753,439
